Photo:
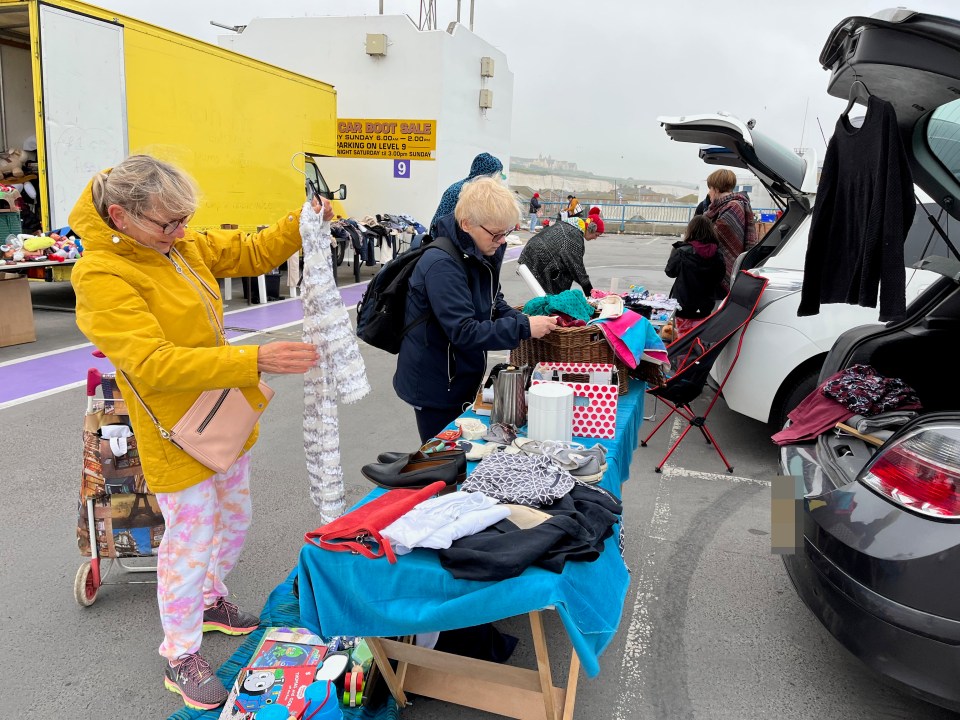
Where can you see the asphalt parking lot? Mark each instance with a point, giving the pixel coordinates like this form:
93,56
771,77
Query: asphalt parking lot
711,627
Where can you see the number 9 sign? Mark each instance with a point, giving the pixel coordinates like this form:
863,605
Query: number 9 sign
401,169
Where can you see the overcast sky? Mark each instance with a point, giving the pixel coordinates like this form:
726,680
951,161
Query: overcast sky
590,78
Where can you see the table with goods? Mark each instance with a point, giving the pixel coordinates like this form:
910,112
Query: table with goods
557,443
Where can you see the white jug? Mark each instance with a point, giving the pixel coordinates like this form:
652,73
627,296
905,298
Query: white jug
550,412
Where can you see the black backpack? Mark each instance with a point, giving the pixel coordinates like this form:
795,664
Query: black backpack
382,310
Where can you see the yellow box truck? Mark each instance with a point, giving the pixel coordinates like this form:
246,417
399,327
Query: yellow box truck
93,86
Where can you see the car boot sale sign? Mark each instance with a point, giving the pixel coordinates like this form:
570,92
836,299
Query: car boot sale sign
385,139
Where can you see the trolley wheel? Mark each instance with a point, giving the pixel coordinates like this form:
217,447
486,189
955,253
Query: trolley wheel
85,589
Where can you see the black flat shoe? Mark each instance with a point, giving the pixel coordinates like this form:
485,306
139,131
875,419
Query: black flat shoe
405,474
415,457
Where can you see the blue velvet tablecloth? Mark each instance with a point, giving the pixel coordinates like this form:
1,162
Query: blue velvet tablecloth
346,594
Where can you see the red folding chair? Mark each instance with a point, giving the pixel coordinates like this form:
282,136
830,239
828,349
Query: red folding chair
693,354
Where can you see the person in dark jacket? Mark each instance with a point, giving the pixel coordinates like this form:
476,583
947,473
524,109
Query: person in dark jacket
534,211
555,255
483,164
698,267
702,207
442,361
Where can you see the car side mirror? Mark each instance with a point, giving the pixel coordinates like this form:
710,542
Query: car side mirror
340,194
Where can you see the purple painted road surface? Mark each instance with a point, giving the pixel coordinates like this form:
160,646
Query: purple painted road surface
43,374
31,376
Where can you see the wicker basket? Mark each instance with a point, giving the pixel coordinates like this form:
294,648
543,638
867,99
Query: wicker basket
575,344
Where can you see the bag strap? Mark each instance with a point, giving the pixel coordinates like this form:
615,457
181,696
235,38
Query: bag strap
445,244
355,545
164,433
218,324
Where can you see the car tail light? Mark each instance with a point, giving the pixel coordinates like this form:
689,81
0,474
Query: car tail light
920,471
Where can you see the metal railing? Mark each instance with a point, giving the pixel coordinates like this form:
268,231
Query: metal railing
633,215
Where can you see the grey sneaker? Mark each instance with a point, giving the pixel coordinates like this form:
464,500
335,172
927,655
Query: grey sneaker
227,618
194,680
587,469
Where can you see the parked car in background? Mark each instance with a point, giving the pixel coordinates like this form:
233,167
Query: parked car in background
879,558
782,354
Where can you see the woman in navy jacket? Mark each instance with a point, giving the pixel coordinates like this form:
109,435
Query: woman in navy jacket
442,361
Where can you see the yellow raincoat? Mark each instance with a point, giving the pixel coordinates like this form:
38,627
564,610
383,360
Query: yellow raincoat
156,324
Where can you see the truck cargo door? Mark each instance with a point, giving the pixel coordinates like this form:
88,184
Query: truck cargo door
84,103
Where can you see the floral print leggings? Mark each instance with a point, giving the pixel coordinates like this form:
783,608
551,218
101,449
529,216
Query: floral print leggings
206,525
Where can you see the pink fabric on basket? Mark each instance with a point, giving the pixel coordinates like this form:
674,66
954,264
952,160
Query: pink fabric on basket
633,338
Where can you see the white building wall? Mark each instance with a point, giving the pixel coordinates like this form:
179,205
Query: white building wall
425,75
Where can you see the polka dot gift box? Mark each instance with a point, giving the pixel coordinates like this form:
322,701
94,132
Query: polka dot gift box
595,394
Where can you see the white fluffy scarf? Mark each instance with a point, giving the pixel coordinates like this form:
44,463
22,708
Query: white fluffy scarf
339,375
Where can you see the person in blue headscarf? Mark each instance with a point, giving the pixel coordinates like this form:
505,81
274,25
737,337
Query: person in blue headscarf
483,164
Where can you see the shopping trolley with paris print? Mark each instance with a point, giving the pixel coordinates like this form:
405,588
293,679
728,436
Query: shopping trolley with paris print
114,500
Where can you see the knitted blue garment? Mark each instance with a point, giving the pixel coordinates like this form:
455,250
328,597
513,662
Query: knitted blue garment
570,302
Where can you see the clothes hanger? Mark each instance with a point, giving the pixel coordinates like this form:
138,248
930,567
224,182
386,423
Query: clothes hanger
856,94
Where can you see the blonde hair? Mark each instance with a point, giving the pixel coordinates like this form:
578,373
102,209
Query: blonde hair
722,180
141,184
486,201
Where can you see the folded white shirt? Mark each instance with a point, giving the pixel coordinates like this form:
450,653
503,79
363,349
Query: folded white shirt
437,522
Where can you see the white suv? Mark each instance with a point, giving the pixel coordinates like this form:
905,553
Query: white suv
782,354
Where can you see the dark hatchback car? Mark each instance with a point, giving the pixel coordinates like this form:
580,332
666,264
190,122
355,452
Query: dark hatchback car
879,561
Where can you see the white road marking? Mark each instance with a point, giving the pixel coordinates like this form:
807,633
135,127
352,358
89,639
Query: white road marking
640,627
45,393
48,353
674,471
670,470
71,386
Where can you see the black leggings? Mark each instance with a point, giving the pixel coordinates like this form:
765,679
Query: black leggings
430,421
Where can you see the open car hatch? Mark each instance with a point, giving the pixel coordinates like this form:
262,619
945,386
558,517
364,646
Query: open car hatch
731,142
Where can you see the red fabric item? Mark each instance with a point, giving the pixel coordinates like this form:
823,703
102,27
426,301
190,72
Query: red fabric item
812,417
685,325
359,530
564,320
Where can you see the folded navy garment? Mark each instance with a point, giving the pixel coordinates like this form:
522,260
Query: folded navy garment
580,522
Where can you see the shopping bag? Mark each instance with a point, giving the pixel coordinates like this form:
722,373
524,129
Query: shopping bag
127,519
126,524
359,530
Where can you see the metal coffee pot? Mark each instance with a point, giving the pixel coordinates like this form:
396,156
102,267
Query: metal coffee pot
510,398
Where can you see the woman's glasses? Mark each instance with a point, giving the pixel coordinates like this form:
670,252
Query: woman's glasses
497,237
171,227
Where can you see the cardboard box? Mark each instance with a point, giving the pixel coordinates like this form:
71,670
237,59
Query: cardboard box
16,311
595,387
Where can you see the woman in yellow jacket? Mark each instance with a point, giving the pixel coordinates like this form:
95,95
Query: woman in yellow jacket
147,298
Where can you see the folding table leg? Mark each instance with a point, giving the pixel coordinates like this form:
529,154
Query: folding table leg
386,669
543,664
573,677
